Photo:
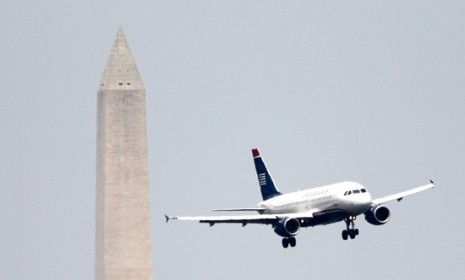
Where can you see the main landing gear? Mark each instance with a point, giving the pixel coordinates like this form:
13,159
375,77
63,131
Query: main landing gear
289,241
350,230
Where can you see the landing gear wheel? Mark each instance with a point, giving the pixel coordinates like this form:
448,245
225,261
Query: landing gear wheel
285,243
350,230
292,241
344,234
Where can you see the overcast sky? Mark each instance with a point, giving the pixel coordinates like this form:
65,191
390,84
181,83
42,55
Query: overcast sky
369,91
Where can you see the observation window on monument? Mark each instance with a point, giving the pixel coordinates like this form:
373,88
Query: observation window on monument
128,84
120,84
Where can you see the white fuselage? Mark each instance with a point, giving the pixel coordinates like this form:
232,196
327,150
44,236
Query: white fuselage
349,197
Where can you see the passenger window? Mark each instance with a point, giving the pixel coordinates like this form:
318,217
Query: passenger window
356,191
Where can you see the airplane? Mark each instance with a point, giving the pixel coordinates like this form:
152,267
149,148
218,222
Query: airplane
288,213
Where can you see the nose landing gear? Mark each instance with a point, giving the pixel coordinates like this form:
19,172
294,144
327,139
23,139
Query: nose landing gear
350,230
289,241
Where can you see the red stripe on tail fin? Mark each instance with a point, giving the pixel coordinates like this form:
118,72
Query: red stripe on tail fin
255,152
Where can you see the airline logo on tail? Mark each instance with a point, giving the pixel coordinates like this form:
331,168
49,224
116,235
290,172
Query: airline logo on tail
262,179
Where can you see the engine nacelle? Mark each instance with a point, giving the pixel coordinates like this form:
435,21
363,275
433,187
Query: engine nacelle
378,215
287,227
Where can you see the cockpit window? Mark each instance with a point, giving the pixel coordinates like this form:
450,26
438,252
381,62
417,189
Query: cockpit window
363,190
356,191
345,193
350,192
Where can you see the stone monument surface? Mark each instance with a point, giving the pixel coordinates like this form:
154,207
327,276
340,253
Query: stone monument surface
122,241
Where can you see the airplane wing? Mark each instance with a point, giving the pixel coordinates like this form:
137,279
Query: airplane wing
257,209
401,195
266,219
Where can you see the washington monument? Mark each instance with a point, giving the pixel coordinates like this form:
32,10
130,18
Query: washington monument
122,241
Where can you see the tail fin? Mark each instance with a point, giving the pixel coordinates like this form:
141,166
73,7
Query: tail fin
265,180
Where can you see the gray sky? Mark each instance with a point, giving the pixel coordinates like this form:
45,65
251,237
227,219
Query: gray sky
370,91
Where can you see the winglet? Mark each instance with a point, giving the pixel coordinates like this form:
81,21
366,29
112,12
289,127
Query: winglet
255,152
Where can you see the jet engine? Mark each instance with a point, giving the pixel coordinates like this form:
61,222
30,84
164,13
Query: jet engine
378,215
287,227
